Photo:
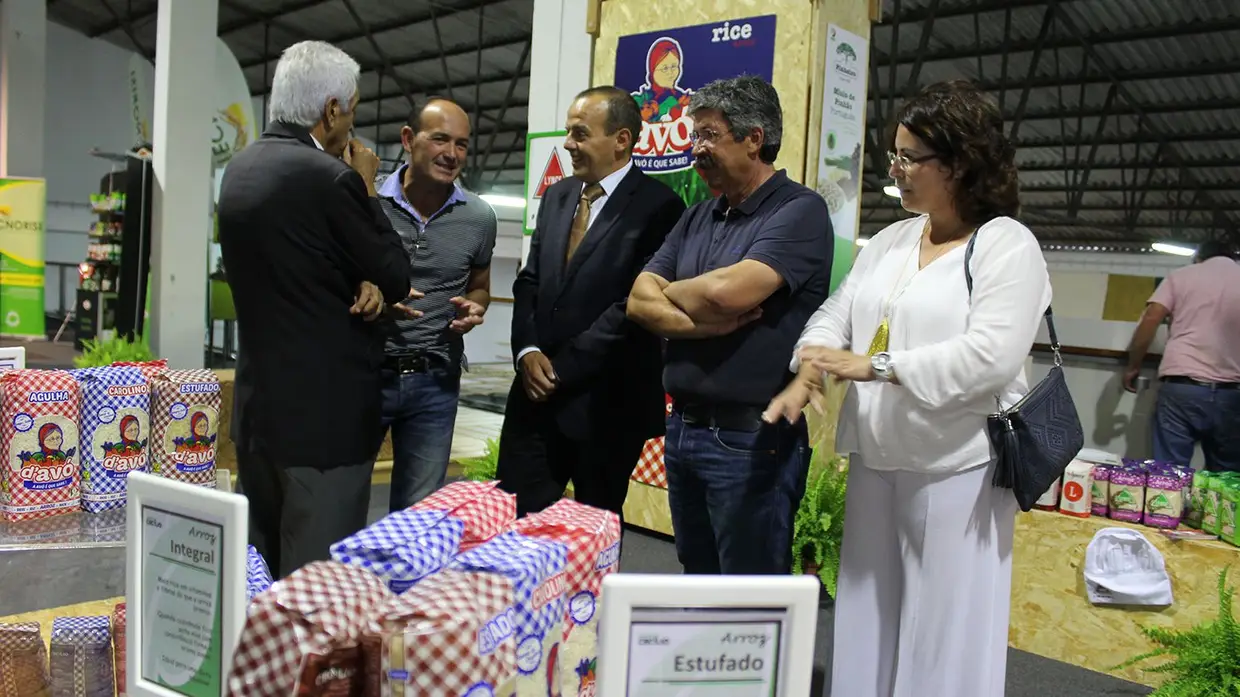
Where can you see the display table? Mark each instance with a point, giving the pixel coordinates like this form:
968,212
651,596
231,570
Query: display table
226,455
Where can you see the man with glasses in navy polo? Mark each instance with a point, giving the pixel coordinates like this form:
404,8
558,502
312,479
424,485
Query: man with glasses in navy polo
731,289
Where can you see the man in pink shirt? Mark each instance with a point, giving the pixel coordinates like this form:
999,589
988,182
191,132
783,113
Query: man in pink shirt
1199,399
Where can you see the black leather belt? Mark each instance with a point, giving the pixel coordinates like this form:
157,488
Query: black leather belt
730,417
413,363
1184,380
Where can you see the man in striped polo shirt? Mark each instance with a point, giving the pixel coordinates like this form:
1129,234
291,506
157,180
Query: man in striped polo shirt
449,235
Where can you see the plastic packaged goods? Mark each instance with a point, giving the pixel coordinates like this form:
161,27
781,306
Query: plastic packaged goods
484,508
1164,501
302,636
1100,492
23,661
185,418
80,664
39,414
1127,494
115,430
1049,500
1078,481
403,547
1196,500
257,575
150,369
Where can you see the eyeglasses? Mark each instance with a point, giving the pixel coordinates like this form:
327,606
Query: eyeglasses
903,162
706,137
669,69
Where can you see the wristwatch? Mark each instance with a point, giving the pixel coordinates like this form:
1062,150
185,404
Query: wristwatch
883,368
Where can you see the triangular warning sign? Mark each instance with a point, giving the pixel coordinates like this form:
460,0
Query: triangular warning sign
552,173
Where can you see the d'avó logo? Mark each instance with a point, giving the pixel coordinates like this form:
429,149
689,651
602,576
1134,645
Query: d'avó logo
665,142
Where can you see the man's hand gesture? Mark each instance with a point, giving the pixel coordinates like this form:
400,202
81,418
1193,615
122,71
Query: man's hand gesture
468,315
369,303
538,376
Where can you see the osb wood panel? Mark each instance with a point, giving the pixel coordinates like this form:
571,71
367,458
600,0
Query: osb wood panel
226,454
1052,616
853,16
793,34
646,506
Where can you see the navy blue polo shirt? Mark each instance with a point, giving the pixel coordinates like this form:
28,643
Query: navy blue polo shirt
787,227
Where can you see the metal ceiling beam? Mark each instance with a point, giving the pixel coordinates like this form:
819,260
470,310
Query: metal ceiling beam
256,18
263,17
1213,162
965,9
1048,21
1194,28
377,28
923,44
128,27
503,110
490,79
503,163
383,56
1082,181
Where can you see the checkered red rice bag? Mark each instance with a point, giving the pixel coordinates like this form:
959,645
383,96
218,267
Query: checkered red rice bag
444,637
42,465
119,650
301,636
23,661
485,509
149,369
185,421
650,469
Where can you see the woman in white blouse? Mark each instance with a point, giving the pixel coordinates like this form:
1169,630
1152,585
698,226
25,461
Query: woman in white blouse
925,578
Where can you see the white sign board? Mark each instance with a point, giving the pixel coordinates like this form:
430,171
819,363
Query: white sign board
546,162
716,636
842,141
185,586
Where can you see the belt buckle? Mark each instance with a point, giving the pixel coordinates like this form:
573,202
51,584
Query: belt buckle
411,364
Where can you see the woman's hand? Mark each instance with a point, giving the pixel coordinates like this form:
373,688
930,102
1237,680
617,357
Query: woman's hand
790,403
844,365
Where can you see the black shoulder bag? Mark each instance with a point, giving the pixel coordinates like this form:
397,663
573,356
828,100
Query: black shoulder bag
1036,438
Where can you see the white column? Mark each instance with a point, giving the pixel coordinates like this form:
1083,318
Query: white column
23,70
181,210
561,61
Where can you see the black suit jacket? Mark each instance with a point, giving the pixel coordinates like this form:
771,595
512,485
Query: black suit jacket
610,369
298,234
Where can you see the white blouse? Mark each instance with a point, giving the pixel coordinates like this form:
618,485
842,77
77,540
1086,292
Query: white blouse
952,356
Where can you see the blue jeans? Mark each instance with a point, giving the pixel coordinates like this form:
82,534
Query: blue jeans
420,408
734,494
1186,414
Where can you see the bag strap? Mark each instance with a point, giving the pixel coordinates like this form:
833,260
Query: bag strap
1050,316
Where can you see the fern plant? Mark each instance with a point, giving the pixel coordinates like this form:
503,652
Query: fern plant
818,529
104,352
482,469
1205,660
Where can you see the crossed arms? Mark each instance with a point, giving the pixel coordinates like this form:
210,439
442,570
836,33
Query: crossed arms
713,304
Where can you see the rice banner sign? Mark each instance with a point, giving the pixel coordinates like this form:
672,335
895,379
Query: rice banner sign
546,162
662,69
23,208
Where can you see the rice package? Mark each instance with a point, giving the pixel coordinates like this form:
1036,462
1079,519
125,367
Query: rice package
1213,508
23,661
302,636
105,526
537,570
119,649
39,444
185,418
1100,492
80,664
451,634
149,369
404,547
1078,485
257,575
1127,488
592,536
115,427
1049,500
484,508
1196,500
1228,526
1164,501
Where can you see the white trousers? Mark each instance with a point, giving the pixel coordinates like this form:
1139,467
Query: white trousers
925,585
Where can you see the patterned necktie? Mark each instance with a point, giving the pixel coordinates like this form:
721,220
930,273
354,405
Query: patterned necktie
581,220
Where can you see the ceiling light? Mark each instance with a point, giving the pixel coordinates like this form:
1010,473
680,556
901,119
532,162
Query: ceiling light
862,241
892,190
505,201
1177,249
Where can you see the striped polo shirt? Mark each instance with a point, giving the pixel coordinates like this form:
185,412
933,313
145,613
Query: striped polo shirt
443,250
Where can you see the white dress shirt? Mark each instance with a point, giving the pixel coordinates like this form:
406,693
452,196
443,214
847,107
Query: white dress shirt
609,184
317,144
952,355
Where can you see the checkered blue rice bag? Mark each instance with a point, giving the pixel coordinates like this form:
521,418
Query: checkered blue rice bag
536,568
81,657
257,575
114,430
404,547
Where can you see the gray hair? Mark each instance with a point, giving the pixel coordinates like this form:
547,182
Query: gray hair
308,75
746,102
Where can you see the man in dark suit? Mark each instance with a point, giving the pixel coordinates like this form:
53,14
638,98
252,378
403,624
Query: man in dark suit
311,259
589,391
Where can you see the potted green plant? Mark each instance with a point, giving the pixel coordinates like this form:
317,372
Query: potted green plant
104,352
1205,660
482,469
818,528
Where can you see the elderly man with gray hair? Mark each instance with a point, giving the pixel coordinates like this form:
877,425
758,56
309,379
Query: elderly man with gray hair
730,290
312,261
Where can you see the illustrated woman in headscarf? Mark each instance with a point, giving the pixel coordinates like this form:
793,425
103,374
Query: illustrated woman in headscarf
131,430
661,99
200,426
51,440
